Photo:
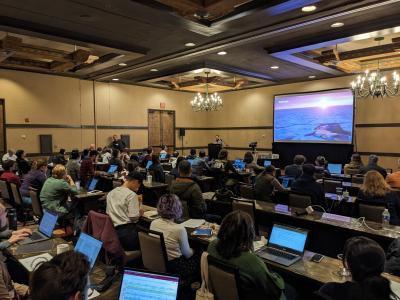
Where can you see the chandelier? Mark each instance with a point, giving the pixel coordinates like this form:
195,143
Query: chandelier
206,101
375,83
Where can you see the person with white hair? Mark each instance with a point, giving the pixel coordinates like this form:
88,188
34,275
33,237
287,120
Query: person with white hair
10,155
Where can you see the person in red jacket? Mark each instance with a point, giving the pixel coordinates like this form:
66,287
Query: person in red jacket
8,175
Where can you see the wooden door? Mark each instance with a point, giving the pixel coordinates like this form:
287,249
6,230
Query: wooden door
2,127
161,128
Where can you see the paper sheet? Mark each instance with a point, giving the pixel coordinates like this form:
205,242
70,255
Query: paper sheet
193,223
31,263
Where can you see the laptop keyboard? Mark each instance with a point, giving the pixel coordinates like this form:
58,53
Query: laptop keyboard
36,236
280,253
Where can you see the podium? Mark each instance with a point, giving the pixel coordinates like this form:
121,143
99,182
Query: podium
213,150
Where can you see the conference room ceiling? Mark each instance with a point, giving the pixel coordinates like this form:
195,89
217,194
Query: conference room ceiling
145,42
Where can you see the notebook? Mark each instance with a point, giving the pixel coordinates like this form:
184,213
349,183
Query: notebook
138,284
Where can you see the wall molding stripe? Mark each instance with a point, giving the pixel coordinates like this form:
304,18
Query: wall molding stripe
387,154
226,128
65,126
378,125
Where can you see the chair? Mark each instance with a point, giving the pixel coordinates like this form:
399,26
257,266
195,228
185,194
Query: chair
154,253
116,183
370,211
169,179
223,279
16,194
248,206
357,179
330,185
247,191
36,204
299,200
185,210
6,194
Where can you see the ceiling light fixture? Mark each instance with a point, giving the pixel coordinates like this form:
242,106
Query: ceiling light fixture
153,70
190,44
222,53
312,76
206,101
309,8
274,67
115,79
122,64
375,84
337,25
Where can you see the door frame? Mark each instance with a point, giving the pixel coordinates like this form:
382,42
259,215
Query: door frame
150,110
3,102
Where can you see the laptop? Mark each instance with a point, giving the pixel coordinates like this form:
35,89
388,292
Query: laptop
267,163
149,163
163,156
239,164
92,185
285,245
89,246
287,181
46,227
191,161
335,168
138,284
112,169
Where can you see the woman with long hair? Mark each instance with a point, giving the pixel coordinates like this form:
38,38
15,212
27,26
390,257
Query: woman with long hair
366,261
376,191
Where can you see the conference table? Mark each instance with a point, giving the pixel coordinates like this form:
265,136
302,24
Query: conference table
88,201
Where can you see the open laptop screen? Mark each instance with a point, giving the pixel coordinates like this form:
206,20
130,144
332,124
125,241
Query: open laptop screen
288,238
112,169
149,163
146,285
48,223
335,168
239,164
163,155
267,163
92,185
89,246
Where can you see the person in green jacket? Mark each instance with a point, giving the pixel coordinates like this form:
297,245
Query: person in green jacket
56,189
234,245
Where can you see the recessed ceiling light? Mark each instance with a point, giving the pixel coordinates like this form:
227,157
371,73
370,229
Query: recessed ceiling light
190,44
309,8
337,24
198,71
153,70
222,53
274,67
122,64
115,79
312,76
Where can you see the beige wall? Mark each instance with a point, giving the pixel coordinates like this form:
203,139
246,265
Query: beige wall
56,100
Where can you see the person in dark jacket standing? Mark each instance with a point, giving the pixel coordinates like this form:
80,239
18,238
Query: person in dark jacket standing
117,143
306,184
188,190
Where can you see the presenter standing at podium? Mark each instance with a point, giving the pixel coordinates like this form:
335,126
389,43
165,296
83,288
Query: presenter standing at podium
219,141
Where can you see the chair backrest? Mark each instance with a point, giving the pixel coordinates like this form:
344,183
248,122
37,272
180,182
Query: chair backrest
185,210
154,253
330,185
357,179
5,190
247,191
299,200
116,183
36,205
248,206
371,212
169,178
16,194
223,279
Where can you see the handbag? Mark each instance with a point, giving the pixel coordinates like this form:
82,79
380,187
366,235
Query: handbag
203,292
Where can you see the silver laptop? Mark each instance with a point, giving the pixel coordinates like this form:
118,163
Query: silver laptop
46,228
285,245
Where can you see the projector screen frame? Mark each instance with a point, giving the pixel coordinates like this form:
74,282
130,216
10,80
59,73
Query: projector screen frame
315,142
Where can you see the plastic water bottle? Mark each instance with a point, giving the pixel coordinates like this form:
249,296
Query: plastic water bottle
385,218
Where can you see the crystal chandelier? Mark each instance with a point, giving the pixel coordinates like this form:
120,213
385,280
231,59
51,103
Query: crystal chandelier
375,83
206,101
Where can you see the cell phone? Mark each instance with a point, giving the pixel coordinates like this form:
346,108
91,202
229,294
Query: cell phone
317,257
202,232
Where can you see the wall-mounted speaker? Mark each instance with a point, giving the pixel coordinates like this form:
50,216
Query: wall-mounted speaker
182,131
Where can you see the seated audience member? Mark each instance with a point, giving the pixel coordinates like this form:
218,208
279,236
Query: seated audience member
203,160
147,157
173,158
164,149
223,163
306,184
250,164
34,179
188,190
64,277
366,261
354,166
157,169
295,170
8,175
266,183
10,155
373,165
73,166
124,157
85,154
115,160
87,169
234,245
377,191
133,164
181,260
23,165
59,159
320,168
394,179
123,207
192,154
56,189
106,155
175,171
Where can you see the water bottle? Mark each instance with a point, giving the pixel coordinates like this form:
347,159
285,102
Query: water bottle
12,218
385,218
